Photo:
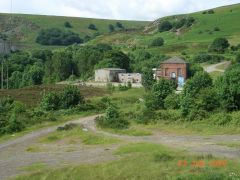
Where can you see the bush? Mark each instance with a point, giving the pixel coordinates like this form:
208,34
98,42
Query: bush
111,28
122,88
147,79
50,101
237,58
143,115
211,11
19,107
112,119
190,21
14,125
207,99
157,42
204,57
193,69
67,127
67,24
92,27
6,104
172,101
119,25
216,29
70,97
165,26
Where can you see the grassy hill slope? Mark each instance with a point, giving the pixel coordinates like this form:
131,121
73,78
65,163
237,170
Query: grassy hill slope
195,38
27,27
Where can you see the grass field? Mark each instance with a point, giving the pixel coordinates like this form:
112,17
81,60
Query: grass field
190,40
145,161
30,25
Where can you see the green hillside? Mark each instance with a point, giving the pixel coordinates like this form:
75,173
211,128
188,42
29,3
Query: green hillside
26,27
195,38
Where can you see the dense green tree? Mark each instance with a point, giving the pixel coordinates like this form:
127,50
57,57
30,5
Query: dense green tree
199,81
157,42
147,79
161,90
227,87
164,26
62,64
219,45
15,80
172,101
57,36
42,54
237,58
193,69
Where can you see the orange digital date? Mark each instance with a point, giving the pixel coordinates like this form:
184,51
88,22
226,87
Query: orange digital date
201,163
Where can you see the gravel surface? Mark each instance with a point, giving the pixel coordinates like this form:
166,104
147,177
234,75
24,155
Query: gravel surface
13,154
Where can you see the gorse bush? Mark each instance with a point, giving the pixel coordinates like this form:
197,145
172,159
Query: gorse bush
50,101
165,26
112,119
70,97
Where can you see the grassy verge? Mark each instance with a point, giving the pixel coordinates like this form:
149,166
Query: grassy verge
145,161
75,134
230,144
132,131
195,127
33,167
222,66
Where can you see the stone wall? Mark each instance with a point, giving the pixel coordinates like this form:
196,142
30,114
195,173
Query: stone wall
130,77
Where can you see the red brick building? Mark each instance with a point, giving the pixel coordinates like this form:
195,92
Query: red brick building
176,69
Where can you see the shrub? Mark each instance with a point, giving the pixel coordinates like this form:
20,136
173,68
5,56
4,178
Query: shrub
122,88
67,127
112,119
6,104
204,57
50,101
67,24
157,42
237,58
211,11
216,29
190,21
70,97
165,26
207,99
143,115
119,25
19,107
193,69
172,101
111,28
14,125
92,27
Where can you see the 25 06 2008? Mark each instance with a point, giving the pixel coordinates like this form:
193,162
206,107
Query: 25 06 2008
202,163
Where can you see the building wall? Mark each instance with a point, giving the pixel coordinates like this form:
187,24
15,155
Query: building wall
174,68
108,75
130,77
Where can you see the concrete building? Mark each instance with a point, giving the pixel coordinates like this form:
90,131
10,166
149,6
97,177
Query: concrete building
130,77
174,68
108,74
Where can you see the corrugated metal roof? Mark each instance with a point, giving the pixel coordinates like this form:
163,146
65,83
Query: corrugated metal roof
174,60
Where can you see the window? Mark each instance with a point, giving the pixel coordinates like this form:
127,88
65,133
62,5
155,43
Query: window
166,72
179,71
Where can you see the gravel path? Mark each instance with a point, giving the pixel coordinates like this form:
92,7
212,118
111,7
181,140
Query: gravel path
13,154
213,67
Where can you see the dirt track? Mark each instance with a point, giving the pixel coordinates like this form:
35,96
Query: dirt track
13,154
